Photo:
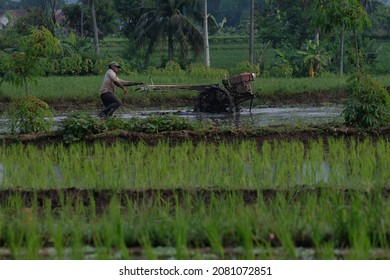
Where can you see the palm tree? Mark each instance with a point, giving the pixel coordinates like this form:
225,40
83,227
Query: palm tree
314,57
206,46
251,30
166,21
94,26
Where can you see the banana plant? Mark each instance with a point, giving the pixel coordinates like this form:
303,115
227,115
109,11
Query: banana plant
314,57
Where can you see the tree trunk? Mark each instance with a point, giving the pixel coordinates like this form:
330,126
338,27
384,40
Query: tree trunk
170,44
206,36
251,31
82,23
317,37
342,38
95,28
25,85
52,10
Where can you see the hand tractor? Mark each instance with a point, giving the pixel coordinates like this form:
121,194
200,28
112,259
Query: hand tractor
213,98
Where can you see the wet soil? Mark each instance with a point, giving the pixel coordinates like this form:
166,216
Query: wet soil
163,197
213,135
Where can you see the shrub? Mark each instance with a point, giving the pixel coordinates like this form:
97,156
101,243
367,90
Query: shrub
367,104
77,126
245,66
70,65
117,123
101,66
87,66
5,62
201,71
281,71
171,68
29,114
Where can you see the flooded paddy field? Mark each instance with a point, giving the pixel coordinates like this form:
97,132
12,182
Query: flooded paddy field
256,117
278,198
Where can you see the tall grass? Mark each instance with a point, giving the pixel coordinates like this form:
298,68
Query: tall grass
87,87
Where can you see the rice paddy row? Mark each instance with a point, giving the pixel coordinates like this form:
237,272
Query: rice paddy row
326,226
278,200
242,165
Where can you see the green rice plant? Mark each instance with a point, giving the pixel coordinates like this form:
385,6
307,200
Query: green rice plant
313,171
33,239
244,230
212,229
76,240
266,168
279,165
214,238
383,162
338,162
267,229
180,232
358,230
325,251
56,232
377,222
148,248
14,241
117,230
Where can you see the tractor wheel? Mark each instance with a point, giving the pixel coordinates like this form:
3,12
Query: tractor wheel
214,100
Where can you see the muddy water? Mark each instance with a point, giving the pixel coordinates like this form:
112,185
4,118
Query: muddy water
257,117
260,117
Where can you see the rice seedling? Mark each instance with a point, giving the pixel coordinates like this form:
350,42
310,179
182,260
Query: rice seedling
261,230
237,165
328,197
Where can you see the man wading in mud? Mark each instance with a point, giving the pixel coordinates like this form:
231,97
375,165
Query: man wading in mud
107,91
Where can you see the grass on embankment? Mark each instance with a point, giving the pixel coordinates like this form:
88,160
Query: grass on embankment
83,91
80,87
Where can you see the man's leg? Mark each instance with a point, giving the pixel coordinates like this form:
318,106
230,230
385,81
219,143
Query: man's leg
111,103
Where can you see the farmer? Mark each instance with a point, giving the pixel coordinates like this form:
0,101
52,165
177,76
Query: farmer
107,91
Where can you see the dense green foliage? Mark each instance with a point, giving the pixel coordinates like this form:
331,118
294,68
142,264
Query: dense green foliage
24,62
367,104
29,114
280,25
76,127
166,22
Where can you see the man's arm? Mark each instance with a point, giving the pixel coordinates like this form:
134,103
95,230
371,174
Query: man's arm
126,83
119,84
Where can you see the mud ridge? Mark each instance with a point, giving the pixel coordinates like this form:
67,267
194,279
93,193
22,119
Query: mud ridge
102,198
214,135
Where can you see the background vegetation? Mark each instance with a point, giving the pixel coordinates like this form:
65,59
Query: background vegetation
290,36
165,38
